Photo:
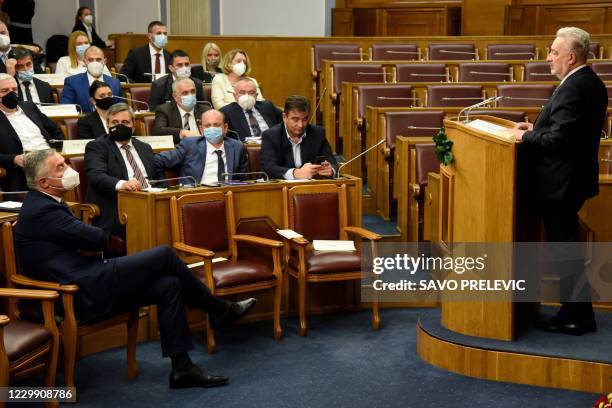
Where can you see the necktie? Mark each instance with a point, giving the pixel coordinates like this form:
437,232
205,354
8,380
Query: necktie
186,122
255,129
137,173
28,94
157,64
220,165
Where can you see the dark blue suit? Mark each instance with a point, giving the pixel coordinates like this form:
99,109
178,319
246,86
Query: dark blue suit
76,90
50,242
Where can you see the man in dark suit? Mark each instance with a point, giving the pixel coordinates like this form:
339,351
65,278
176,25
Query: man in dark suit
55,246
562,146
181,117
30,89
209,158
249,117
180,67
93,125
151,59
116,162
295,149
23,127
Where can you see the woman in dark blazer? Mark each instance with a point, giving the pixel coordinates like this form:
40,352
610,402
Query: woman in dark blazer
93,125
211,58
83,21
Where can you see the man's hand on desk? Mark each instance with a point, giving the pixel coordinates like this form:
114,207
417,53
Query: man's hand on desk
307,171
18,160
131,185
520,128
325,170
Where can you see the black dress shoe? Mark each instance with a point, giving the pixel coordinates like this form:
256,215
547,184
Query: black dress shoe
236,311
194,377
555,325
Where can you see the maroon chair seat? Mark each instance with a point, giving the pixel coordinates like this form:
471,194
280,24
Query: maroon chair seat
511,52
524,95
78,164
383,96
484,72
452,52
453,95
320,262
603,69
149,125
335,52
241,272
411,123
347,72
394,52
421,73
140,93
538,71
21,337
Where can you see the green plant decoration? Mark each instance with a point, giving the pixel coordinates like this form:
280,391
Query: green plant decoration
443,147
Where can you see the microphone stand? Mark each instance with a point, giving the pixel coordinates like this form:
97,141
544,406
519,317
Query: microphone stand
381,141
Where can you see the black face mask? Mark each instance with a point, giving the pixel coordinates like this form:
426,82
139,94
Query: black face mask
120,133
105,103
10,100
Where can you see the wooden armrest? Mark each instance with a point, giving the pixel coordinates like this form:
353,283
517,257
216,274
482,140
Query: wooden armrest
258,241
415,189
181,246
387,152
21,280
301,241
93,209
362,232
29,294
4,320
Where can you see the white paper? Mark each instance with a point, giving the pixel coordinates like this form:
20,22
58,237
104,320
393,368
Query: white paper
59,110
10,205
491,128
287,233
74,147
253,140
201,263
52,79
333,245
158,143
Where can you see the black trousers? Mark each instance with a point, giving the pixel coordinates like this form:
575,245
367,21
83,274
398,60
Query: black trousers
158,277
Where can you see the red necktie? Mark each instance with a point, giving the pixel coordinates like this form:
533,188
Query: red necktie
157,64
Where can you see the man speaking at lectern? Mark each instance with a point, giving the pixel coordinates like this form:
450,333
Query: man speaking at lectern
563,169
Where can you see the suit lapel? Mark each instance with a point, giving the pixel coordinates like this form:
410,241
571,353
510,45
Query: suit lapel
229,156
202,162
287,149
5,124
144,156
245,128
118,158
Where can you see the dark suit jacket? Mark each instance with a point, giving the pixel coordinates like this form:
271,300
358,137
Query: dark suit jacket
45,93
563,146
105,167
76,90
10,145
138,62
161,91
48,239
95,38
277,154
237,121
90,126
204,76
168,120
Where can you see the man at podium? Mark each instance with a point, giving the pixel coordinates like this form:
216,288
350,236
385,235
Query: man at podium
563,169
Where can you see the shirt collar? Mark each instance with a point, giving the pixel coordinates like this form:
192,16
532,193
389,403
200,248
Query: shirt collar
18,112
91,78
56,198
211,149
571,72
291,140
128,144
154,51
183,111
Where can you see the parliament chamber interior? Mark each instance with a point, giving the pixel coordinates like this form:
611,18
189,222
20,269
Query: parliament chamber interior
306,203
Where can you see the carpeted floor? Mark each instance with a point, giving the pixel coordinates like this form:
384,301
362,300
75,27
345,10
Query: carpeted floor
342,363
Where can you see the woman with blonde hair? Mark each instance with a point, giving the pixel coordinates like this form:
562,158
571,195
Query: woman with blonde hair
236,65
73,63
211,59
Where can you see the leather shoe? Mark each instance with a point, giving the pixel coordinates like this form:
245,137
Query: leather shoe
236,311
567,327
194,377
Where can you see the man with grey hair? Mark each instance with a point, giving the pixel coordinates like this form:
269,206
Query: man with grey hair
53,245
562,167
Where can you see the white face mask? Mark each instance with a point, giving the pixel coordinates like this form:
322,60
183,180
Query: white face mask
246,102
183,72
5,41
88,20
95,68
239,68
70,179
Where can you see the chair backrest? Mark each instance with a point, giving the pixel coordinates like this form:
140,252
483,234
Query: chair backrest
452,52
411,124
172,173
78,164
485,72
394,52
356,73
204,220
56,47
327,201
595,50
425,161
140,93
514,116
59,91
523,95
421,73
207,92
511,52
71,128
254,158
603,69
335,52
453,95
383,96
52,66
538,71
149,125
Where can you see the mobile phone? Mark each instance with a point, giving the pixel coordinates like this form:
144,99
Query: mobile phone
319,160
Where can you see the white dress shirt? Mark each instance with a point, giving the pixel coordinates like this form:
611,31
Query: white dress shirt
297,155
29,134
193,125
33,91
162,62
209,176
128,166
260,121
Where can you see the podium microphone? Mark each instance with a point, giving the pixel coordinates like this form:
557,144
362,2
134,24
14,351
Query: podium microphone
195,183
381,141
127,79
314,111
133,100
458,52
491,73
248,173
467,109
531,54
361,54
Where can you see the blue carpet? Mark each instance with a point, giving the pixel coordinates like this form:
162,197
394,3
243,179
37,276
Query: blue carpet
590,347
342,363
376,224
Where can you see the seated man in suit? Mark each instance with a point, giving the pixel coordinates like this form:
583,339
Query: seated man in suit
209,158
181,117
180,67
93,125
76,87
23,128
55,246
249,117
30,89
144,64
294,149
116,162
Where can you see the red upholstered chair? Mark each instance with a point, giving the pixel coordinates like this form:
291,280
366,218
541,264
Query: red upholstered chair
149,125
538,71
382,96
603,69
307,266
425,162
485,72
395,52
204,227
422,73
524,95
514,116
356,73
71,128
453,95
84,211
511,52
452,51
140,93
334,52
208,92
254,159
595,51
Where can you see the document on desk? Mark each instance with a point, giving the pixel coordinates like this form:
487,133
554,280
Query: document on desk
10,205
492,128
289,234
333,245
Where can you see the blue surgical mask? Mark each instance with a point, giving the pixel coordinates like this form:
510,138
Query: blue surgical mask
188,101
160,40
214,135
80,49
26,76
